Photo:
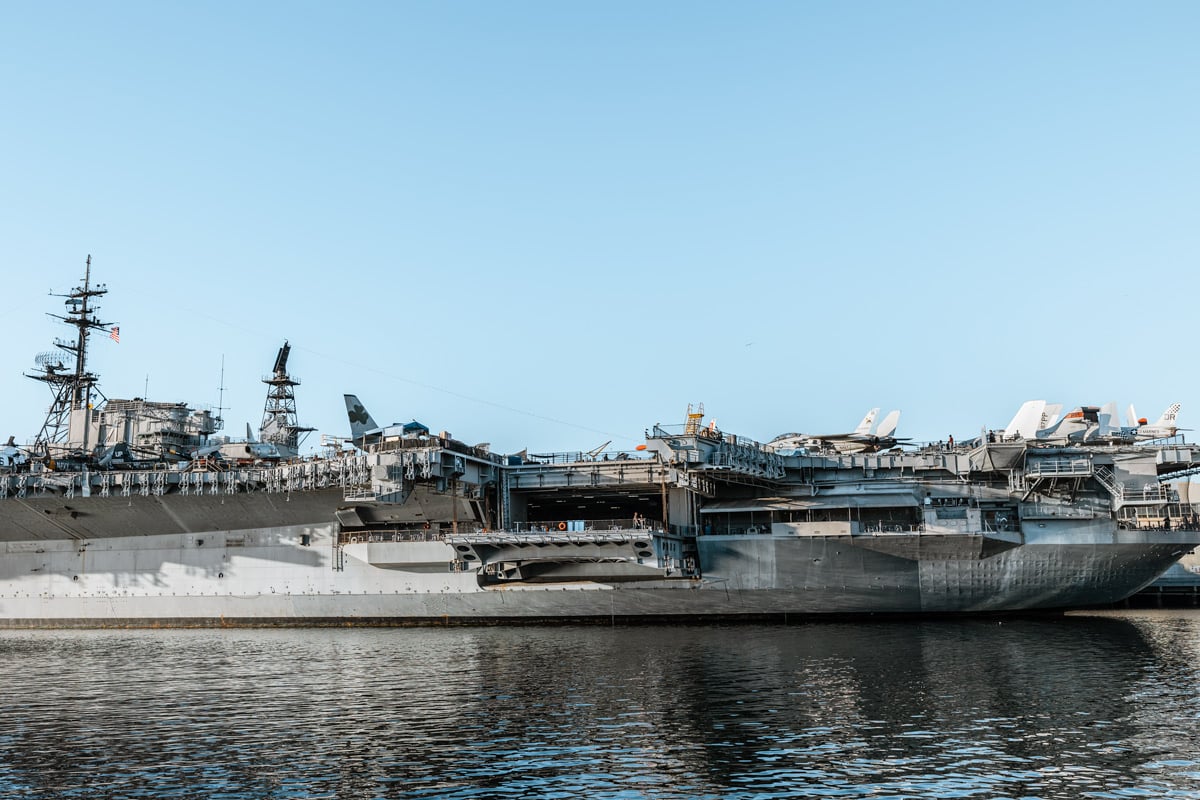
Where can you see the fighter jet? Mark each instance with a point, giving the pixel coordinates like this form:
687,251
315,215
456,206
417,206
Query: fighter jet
1101,425
364,431
1163,428
1080,425
1039,421
247,451
860,440
11,456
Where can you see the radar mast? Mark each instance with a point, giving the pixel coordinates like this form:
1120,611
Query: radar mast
65,371
280,425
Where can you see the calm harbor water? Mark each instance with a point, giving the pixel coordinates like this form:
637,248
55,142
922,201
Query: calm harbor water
1088,705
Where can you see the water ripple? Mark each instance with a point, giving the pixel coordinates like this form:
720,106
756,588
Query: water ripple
1096,706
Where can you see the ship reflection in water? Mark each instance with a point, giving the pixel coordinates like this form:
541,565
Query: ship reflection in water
1075,706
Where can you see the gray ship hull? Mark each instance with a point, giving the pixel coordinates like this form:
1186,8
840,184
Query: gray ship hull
297,575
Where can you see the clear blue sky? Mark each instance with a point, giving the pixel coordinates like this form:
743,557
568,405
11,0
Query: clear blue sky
547,224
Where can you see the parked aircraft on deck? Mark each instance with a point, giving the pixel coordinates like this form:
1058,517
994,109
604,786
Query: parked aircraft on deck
1039,420
860,440
364,431
11,456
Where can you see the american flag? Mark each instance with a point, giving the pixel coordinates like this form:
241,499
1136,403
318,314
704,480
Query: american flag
115,334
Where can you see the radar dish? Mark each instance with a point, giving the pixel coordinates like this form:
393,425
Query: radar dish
52,360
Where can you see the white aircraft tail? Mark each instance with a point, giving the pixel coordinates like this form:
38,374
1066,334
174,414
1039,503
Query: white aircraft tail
864,427
1131,417
360,419
1050,415
1108,417
1167,420
888,425
1027,420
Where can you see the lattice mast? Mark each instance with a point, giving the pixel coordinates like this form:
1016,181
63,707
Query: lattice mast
280,425
72,385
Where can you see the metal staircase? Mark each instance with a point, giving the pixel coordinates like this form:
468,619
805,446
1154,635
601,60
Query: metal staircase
1150,494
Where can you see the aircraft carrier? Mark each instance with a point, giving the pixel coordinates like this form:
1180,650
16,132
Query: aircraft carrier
132,513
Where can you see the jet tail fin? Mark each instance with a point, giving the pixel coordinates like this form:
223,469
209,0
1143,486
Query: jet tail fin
360,418
1108,417
1167,420
864,427
1050,415
889,424
1027,420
